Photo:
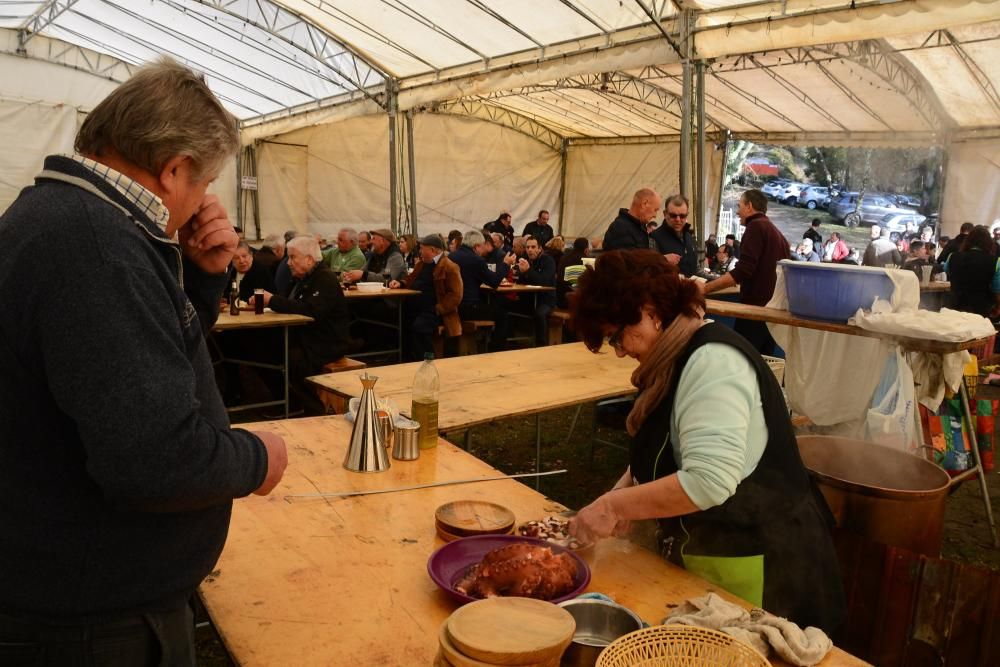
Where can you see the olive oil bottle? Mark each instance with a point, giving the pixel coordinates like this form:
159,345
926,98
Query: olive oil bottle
424,409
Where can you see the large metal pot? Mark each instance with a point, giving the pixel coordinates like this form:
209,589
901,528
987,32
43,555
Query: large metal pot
883,494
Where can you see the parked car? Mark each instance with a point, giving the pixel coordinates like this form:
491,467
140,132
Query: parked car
907,201
840,206
772,189
790,194
897,223
813,196
873,208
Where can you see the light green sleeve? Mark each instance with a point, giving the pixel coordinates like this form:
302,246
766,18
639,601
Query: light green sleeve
354,260
717,427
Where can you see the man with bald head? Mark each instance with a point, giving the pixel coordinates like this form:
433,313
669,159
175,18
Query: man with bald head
628,231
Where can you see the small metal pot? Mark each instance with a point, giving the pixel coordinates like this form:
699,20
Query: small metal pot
598,623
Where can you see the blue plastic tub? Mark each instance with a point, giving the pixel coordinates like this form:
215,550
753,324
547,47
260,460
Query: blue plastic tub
833,292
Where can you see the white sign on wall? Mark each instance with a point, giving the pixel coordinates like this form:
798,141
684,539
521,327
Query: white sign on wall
248,182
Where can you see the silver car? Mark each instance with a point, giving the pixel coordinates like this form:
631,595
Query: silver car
813,196
773,189
790,194
897,223
873,208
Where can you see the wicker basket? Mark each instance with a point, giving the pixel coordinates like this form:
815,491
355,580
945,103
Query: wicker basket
777,367
679,646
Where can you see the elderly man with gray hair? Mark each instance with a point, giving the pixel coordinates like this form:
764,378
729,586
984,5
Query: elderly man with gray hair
315,293
346,255
270,253
118,465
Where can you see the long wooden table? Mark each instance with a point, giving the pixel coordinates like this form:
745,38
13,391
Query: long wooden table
249,320
386,293
482,388
777,316
344,582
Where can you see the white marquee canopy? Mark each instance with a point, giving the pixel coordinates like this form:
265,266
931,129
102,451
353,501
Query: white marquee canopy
567,74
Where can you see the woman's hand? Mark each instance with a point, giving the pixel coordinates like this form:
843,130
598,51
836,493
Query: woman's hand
597,521
394,284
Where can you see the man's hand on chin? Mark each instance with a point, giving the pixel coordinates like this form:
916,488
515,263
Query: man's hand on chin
208,239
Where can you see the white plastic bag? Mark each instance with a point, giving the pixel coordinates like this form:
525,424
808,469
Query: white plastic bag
891,420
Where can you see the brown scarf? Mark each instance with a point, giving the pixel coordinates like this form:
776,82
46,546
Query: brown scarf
653,376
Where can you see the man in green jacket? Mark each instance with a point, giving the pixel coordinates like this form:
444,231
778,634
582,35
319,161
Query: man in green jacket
347,256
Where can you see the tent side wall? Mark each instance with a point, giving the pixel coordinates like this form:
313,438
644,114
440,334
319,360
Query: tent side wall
467,172
972,185
602,178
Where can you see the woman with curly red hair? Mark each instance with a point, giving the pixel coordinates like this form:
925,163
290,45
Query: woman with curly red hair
713,455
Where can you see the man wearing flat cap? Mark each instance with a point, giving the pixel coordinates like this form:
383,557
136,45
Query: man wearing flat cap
386,259
439,281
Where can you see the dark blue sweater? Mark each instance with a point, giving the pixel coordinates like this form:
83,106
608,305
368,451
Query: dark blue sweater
475,273
117,462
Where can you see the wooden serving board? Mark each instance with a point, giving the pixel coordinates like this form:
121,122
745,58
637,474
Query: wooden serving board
510,631
465,518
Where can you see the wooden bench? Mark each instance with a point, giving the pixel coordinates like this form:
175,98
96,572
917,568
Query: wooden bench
334,403
474,331
557,320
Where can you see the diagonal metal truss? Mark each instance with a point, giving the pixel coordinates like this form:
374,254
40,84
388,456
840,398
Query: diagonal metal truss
76,57
46,13
519,122
304,35
874,55
615,87
652,74
981,78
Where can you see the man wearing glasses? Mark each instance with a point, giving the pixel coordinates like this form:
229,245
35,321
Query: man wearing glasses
674,239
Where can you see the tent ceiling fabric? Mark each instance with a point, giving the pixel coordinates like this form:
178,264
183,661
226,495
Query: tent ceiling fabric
916,67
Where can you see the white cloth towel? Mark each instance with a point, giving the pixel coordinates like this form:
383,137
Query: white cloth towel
829,377
757,628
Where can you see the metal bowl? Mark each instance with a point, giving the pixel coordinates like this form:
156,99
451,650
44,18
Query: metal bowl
598,623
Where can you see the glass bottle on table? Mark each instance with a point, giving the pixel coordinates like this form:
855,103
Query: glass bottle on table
424,409
234,300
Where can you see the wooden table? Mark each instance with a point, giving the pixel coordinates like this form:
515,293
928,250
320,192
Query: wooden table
400,294
250,320
344,582
521,290
482,388
777,316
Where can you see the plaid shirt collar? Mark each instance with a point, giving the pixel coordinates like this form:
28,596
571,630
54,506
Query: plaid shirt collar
147,202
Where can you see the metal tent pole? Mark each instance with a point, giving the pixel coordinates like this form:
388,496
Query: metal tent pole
562,186
700,183
391,93
411,162
685,156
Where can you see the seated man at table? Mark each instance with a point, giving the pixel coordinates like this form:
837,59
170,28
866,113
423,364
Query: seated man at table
439,281
572,260
471,258
118,465
316,294
385,263
248,274
270,254
918,257
346,255
538,269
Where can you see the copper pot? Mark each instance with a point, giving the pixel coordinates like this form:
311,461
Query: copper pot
880,493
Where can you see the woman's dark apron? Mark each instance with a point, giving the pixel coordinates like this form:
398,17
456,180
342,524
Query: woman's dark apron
770,542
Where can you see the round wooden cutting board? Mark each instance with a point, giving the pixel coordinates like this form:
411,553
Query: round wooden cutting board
464,518
511,631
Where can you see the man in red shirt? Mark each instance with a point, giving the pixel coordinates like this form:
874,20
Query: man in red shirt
761,248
